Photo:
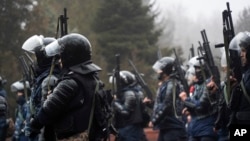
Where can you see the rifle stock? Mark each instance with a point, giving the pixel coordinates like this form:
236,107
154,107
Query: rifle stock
141,81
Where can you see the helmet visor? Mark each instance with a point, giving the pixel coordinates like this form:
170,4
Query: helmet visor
234,43
53,49
157,67
18,86
32,43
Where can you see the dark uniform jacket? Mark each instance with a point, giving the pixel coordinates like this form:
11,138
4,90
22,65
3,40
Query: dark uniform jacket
68,107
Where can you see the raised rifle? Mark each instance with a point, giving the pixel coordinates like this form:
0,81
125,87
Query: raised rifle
180,73
62,24
191,51
208,58
141,81
232,56
228,34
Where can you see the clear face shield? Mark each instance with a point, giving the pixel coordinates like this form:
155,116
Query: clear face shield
163,62
53,49
157,67
32,43
112,80
193,61
234,43
190,75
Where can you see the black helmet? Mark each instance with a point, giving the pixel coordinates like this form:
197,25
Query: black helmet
126,78
73,48
165,65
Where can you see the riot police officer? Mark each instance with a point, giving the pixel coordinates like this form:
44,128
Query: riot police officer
167,116
202,105
46,71
240,98
68,107
22,90
128,108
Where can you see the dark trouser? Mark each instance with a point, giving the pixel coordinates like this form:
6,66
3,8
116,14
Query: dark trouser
3,129
172,135
203,138
131,133
223,134
23,138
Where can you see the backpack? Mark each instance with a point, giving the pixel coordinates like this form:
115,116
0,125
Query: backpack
145,115
102,114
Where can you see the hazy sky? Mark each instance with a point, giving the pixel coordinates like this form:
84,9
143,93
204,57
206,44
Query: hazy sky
192,16
195,8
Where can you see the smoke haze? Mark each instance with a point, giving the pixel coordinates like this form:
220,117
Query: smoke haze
186,18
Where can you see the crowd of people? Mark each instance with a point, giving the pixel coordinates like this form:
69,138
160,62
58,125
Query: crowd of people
55,106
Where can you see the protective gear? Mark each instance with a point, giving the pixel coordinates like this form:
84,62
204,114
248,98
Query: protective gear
48,84
35,128
19,86
73,48
235,42
126,78
164,65
190,75
128,108
245,43
196,62
199,68
32,43
35,45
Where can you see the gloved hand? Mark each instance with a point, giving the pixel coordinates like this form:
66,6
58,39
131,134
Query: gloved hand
35,127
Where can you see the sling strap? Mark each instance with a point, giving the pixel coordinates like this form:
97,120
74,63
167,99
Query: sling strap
93,106
244,91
